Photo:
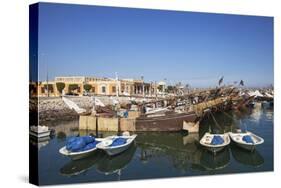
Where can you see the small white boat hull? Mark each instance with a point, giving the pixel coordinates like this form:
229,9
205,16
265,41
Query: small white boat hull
237,139
206,142
156,111
39,131
247,147
76,155
214,150
114,150
40,134
117,150
79,155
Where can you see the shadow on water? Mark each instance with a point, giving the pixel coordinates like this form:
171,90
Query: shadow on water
77,167
100,161
221,122
114,164
247,158
184,152
211,162
39,142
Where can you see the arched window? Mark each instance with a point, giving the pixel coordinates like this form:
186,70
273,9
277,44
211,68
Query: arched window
103,89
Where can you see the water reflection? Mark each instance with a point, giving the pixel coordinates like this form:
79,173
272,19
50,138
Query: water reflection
182,151
256,112
79,166
247,158
215,162
39,142
174,153
114,164
103,163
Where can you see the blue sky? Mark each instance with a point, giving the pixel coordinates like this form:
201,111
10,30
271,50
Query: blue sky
194,48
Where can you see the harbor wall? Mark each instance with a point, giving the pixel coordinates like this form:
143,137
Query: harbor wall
54,109
128,124
107,124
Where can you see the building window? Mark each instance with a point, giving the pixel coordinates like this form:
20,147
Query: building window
103,89
113,89
93,89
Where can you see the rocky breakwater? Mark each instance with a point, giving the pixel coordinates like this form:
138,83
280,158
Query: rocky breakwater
54,109
51,109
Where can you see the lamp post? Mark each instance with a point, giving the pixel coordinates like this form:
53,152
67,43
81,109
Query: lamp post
142,78
47,74
117,84
47,81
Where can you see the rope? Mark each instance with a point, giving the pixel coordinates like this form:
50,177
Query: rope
228,115
216,123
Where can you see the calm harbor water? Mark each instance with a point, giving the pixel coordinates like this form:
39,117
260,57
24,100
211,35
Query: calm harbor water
158,155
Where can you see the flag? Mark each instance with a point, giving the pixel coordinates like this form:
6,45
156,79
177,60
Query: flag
220,81
241,83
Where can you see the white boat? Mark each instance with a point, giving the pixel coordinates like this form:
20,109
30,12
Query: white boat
155,110
105,145
80,154
39,131
238,139
206,141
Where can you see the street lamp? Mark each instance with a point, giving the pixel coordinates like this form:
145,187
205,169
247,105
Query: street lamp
47,74
142,78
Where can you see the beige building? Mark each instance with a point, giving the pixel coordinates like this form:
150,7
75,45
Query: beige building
77,85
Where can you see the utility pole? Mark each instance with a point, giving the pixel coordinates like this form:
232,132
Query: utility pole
142,78
155,89
117,84
47,81
47,75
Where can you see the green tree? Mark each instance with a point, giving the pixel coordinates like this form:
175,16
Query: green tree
170,88
60,86
87,87
32,88
48,86
72,87
160,87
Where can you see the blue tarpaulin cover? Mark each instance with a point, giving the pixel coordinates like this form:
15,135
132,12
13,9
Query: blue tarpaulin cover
126,114
82,143
118,142
217,140
89,146
248,139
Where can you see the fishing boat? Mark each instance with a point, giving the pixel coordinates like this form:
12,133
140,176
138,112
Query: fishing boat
39,131
114,145
170,121
246,140
251,104
83,151
215,142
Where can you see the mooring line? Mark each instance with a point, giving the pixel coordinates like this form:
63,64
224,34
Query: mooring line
228,115
216,123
